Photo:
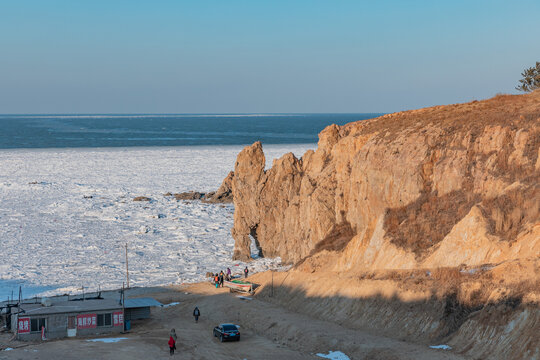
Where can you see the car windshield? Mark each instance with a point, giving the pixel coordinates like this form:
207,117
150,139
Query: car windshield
229,328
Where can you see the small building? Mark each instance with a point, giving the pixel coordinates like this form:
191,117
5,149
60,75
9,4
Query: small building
67,318
139,308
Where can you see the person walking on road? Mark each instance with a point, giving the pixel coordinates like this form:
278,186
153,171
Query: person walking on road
196,314
228,274
246,272
172,344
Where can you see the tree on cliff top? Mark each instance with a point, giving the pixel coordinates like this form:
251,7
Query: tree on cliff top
531,79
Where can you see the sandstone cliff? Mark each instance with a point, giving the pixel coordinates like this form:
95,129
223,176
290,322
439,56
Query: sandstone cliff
442,186
422,225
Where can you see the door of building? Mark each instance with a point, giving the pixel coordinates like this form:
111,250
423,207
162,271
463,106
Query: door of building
72,326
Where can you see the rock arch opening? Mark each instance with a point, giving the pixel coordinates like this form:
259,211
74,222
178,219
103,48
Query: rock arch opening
255,246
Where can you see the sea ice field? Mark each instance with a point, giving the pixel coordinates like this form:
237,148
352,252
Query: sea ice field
67,214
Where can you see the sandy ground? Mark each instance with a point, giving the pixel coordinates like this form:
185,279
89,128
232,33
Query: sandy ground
268,332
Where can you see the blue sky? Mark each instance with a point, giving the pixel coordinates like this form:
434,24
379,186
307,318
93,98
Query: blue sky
260,56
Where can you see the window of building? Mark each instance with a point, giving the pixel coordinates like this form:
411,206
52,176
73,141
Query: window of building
37,324
108,319
104,319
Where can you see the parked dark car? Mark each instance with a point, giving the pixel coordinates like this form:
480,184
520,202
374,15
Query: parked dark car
227,332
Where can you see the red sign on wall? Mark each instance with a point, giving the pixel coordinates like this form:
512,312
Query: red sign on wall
118,318
24,325
86,321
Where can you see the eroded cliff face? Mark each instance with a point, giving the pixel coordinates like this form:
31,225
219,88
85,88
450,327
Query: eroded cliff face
441,186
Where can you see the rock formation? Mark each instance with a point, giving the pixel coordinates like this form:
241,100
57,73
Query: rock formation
142,198
442,186
222,195
189,195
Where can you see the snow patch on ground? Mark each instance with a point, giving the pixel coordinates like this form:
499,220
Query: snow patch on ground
443,347
107,340
66,215
171,304
334,355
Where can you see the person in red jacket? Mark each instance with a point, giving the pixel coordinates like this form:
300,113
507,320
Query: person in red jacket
172,345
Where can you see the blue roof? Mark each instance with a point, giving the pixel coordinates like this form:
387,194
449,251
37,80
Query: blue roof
141,302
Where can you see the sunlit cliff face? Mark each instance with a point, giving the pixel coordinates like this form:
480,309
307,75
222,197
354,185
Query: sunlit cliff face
440,186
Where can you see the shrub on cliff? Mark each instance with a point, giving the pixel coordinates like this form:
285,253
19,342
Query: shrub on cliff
531,79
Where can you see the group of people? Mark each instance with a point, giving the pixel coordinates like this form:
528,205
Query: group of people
172,334
221,276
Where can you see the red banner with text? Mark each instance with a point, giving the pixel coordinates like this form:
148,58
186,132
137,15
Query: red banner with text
86,321
118,318
24,325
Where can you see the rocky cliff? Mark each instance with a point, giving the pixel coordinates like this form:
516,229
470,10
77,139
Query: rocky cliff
442,186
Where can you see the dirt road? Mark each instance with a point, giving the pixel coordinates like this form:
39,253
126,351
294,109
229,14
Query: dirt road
268,332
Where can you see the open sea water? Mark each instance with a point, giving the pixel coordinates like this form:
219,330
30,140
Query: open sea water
92,131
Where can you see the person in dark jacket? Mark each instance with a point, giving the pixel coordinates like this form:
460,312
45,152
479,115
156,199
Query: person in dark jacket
196,314
221,279
172,345
246,272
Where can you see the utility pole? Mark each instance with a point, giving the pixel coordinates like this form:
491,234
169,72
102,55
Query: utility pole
272,283
123,300
19,310
127,267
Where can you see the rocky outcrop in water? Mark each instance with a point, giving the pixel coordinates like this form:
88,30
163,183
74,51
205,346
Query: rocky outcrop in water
440,186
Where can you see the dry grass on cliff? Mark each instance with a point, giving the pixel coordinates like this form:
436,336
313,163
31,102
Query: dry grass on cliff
519,110
510,212
422,224
425,222
470,287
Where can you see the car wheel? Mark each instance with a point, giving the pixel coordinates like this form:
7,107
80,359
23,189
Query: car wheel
238,339
221,338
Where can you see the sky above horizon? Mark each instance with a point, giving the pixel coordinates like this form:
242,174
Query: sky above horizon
303,56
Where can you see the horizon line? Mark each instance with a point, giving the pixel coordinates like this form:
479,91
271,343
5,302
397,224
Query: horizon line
193,114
